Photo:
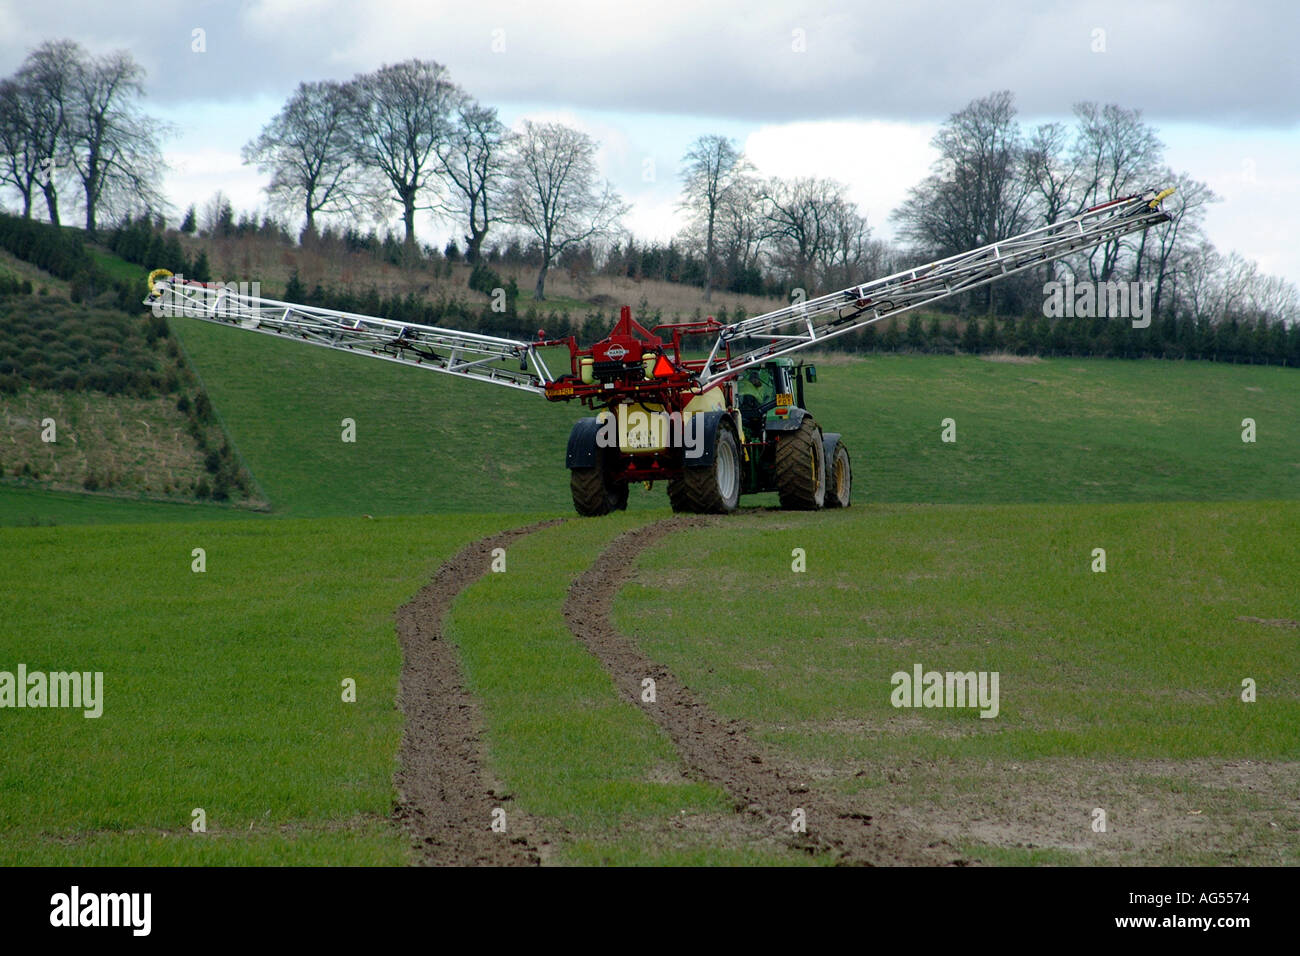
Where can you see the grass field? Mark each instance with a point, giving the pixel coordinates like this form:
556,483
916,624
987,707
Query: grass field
568,749
1119,690
25,505
425,442
1058,430
222,690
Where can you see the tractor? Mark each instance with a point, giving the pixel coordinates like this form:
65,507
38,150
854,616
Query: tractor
713,425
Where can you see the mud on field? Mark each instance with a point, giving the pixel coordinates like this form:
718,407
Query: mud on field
446,792
1157,812
765,790
956,812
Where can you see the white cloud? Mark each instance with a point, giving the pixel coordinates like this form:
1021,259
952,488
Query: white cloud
878,160
1256,174
196,175
653,217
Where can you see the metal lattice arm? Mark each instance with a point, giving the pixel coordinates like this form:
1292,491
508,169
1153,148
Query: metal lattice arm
467,354
807,323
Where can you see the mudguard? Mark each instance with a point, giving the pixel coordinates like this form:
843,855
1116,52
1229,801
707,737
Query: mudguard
582,449
790,423
712,422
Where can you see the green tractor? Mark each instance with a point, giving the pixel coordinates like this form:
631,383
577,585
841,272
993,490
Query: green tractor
784,449
744,433
712,428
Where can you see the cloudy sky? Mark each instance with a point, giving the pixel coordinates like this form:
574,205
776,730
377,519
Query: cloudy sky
848,90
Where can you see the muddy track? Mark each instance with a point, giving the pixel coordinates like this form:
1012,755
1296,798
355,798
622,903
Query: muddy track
446,793
719,751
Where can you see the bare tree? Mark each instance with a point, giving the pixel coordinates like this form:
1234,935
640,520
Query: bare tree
976,194
47,75
796,215
740,230
1051,174
1186,210
1275,299
554,192
711,169
1238,277
1220,288
217,218
21,162
403,113
849,251
1051,171
310,151
1198,290
111,146
1118,154
473,163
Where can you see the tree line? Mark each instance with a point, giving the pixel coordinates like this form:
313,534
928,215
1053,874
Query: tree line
331,148
71,122
406,139
1253,339
994,179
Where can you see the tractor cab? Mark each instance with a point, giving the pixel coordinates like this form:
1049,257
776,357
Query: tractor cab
765,394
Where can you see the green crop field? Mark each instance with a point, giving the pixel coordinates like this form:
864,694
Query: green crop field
1119,690
24,505
1058,430
570,751
222,690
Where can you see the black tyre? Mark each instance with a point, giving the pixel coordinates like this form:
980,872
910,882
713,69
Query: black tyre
594,494
714,489
839,478
801,468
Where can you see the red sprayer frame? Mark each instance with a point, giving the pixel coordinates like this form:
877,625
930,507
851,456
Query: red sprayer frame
618,365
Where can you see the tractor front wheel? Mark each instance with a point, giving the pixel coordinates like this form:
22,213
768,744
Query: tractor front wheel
801,468
593,492
840,475
712,489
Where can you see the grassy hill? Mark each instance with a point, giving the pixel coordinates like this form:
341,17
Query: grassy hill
1119,689
1052,430
33,505
1027,430
425,442
126,413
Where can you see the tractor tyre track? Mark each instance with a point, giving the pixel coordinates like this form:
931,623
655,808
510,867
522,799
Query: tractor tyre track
719,751
446,793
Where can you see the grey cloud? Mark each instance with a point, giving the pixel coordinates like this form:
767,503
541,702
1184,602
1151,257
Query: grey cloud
1218,63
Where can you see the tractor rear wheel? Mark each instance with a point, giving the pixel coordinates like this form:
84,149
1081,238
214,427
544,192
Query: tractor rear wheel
593,492
801,468
839,485
715,488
